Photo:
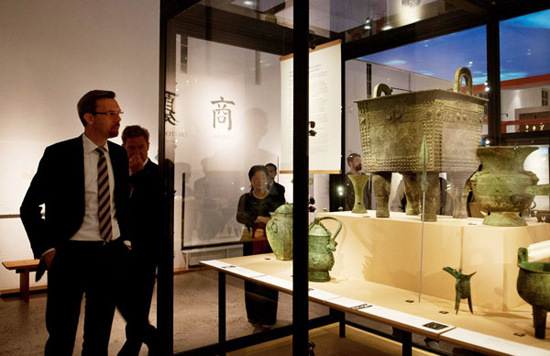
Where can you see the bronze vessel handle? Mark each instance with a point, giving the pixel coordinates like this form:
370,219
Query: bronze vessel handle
465,73
333,236
382,88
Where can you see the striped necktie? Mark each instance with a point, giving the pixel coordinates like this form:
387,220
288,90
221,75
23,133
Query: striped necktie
103,197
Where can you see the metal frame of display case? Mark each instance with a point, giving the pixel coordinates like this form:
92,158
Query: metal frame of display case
469,14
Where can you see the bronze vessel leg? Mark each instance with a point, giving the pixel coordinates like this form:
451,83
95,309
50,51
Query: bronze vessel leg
381,182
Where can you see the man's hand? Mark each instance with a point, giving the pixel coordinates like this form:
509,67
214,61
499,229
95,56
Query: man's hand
136,163
48,258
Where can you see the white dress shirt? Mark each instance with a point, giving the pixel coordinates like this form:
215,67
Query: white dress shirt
89,231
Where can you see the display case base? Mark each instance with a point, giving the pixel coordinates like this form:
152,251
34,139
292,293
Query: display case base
388,251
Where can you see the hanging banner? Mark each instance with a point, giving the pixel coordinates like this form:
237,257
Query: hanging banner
325,105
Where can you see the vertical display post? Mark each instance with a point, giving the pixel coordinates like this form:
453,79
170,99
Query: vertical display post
165,279
301,174
493,78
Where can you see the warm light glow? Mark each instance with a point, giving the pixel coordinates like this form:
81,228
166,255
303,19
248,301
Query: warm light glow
368,22
408,15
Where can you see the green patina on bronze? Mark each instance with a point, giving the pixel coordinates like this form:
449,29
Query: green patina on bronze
503,189
534,287
359,182
322,244
392,131
462,287
279,232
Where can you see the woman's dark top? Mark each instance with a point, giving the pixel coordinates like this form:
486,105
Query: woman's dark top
260,301
251,207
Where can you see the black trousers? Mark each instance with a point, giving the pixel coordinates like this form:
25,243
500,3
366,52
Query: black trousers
135,300
261,302
83,268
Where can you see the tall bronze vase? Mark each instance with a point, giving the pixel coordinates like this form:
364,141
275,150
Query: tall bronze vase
359,182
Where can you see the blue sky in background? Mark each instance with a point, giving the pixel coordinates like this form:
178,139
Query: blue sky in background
524,42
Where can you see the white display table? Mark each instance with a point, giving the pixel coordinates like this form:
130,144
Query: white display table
485,331
387,251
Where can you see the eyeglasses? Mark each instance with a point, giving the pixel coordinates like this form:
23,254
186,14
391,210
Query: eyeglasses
110,113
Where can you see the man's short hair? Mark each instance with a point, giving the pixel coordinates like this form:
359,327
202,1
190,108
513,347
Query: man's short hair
271,165
134,131
86,104
351,157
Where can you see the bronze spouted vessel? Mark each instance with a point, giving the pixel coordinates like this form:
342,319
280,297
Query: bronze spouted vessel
534,287
392,130
322,244
503,189
279,232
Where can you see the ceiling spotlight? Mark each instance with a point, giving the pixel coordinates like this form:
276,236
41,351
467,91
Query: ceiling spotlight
387,27
248,3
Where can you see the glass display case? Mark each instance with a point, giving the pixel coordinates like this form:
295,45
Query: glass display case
224,91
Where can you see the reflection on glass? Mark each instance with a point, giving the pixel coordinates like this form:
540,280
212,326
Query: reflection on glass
525,73
354,19
537,162
225,107
431,64
440,57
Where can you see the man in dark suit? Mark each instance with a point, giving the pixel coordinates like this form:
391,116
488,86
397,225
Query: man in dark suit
273,187
139,281
83,240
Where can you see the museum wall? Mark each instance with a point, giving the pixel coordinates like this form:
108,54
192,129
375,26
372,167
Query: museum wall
52,53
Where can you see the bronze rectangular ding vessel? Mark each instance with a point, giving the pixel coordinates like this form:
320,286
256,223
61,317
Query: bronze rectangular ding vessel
392,131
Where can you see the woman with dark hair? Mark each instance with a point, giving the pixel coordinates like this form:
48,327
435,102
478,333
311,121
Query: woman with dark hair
253,211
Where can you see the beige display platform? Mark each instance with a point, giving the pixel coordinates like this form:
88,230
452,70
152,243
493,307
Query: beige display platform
486,331
387,251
